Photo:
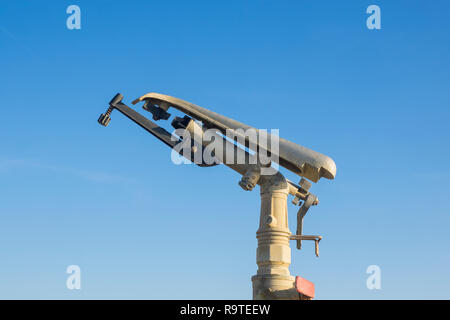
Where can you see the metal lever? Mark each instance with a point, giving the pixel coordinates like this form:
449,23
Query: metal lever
304,237
309,201
105,118
149,126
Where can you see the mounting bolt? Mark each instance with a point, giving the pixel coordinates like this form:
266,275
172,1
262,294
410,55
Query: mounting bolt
250,178
104,119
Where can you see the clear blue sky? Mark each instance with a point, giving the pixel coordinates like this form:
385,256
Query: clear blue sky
111,201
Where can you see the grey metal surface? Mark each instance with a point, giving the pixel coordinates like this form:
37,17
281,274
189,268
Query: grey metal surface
296,158
248,170
151,127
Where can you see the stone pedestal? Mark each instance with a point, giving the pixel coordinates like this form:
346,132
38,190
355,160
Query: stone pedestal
273,255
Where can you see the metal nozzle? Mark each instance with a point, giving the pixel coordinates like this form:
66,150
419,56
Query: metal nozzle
104,118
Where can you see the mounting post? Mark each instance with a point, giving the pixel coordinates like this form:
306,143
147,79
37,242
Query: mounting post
273,255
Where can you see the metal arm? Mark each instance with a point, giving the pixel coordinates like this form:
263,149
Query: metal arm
300,192
151,127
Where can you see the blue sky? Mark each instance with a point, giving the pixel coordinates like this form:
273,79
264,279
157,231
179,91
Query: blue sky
111,201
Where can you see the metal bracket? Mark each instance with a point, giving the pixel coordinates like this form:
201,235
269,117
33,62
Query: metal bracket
303,188
305,237
308,200
158,112
151,127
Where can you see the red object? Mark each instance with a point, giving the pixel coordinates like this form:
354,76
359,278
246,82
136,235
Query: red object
304,287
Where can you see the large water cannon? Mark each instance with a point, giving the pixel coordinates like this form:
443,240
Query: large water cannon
207,139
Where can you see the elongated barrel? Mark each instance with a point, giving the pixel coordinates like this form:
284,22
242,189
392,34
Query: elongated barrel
296,158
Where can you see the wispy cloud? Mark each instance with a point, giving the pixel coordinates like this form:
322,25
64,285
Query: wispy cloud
90,175
18,42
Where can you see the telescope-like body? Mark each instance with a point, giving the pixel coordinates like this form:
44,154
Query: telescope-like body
273,280
298,159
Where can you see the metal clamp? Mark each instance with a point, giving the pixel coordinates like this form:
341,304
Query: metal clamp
308,200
